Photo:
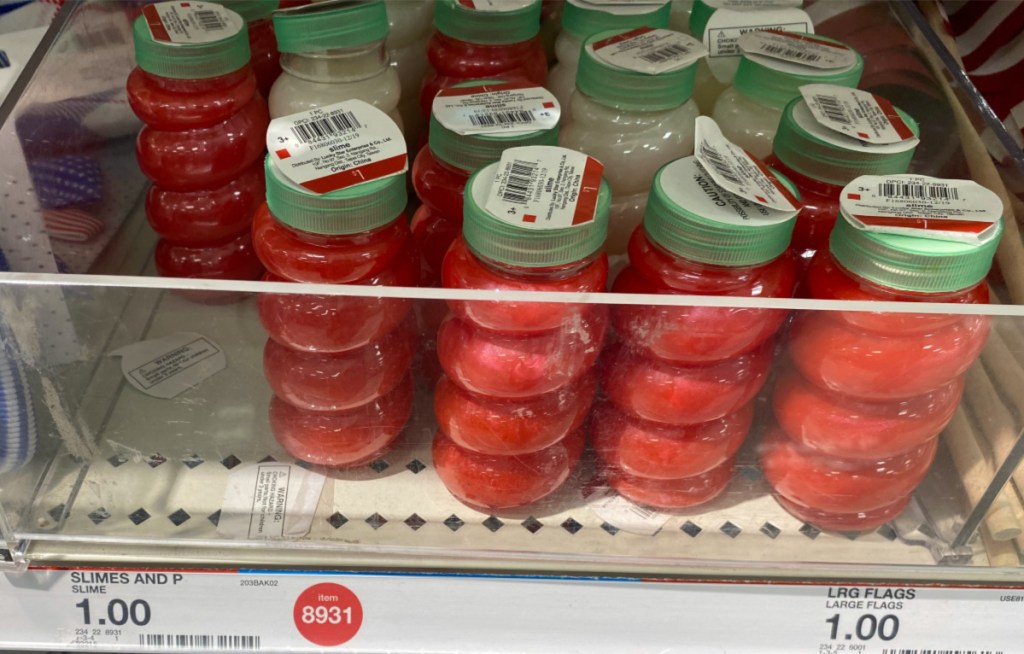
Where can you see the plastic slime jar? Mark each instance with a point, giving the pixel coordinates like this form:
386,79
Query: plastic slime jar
356,235
441,171
331,53
634,122
880,356
672,494
698,239
484,40
265,60
820,162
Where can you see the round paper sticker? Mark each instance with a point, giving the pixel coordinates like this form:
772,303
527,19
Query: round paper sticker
185,23
686,183
805,119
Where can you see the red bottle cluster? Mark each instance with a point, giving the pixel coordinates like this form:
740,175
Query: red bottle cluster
338,365
868,393
681,381
519,376
201,146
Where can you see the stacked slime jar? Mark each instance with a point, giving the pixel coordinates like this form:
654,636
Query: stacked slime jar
442,169
868,393
338,365
519,376
681,380
634,115
265,60
203,138
482,39
334,52
821,161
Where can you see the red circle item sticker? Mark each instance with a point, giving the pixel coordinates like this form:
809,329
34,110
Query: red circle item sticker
328,614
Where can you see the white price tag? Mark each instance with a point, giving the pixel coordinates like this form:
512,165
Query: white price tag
797,48
648,50
621,7
687,183
496,5
497,109
928,207
337,146
189,610
269,501
805,119
544,187
726,26
168,366
737,171
862,115
191,22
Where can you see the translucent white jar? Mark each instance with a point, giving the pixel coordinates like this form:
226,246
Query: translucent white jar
749,112
679,19
411,24
333,54
580,19
633,123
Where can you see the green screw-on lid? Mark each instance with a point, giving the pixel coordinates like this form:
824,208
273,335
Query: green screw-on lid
497,240
699,17
351,210
192,61
582,18
473,151
507,21
911,263
620,88
775,83
328,25
693,217
813,150
252,10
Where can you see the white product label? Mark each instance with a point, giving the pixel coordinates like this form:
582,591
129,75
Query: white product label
927,207
726,26
621,7
805,119
627,516
649,50
496,5
337,146
543,187
168,366
862,115
191,22
739,172
269,500
798,48
687,183
496,109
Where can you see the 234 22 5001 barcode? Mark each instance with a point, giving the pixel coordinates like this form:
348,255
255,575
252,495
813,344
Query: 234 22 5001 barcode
199,641
940,651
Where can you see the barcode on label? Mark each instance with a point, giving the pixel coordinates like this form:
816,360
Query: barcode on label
940,651
209,21
322,128
502,118
790,53
199,641
665,53
833,109
721,167
917,191
519,182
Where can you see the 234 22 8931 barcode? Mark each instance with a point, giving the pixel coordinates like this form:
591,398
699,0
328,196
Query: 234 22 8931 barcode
833,109
321,128
940,651
519,185
199,641
210,21
668,52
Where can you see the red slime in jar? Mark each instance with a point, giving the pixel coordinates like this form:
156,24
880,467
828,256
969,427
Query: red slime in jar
660,391
655,451
490,482
848,427
816,219
672,494
507,427
339,382
698,334
455,61
515,365
233,259
438,221
344,438
264,59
